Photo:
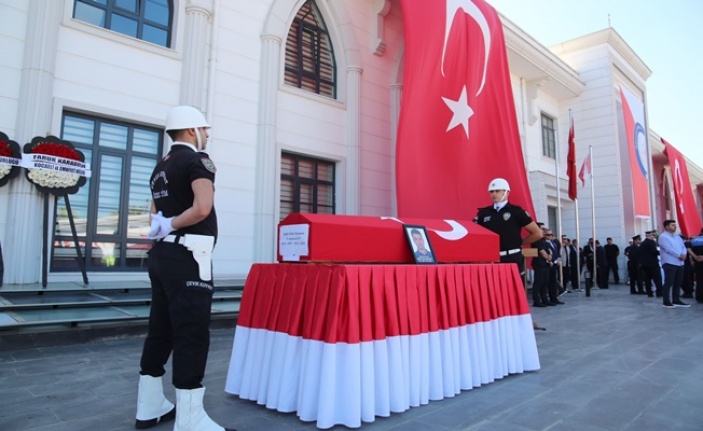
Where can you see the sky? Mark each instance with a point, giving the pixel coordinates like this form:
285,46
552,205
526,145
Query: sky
667,36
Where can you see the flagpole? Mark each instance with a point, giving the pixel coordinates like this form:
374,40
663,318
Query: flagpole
558,185
593,220
578,239
578,230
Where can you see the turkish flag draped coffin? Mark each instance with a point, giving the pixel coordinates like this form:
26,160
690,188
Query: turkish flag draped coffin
686,210
342,344
458,128
345,238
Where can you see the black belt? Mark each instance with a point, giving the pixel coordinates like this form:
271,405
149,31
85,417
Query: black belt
176,239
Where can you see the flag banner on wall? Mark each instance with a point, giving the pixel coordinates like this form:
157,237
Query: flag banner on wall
571,163
686,211
458,128
635,130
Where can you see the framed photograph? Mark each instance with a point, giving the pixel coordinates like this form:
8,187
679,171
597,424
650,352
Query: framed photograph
419,244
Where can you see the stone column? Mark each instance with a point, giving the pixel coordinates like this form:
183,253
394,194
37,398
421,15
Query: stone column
195,54
34,113
352,203
265,218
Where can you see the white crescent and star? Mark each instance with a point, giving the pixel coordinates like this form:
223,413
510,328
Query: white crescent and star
461,111
460,108
457,232
679,184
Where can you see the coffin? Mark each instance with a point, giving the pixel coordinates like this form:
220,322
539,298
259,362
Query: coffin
365,239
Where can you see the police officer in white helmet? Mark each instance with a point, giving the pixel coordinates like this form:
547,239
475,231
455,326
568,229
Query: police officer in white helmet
508,221
184,227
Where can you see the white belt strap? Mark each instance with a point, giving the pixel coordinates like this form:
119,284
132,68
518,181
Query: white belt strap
513,251
201,246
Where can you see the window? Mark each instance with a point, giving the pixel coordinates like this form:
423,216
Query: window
552,220
548,137
148,20
309,56
111,212
307,185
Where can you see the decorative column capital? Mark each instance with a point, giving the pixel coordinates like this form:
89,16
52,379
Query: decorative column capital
203,7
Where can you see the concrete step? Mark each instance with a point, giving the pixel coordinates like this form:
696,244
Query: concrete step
69,305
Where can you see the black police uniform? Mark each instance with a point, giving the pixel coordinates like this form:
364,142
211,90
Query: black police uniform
633,267
697,248
651,269
508,224
181,302
541,268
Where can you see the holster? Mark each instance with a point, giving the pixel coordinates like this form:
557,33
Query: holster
201,246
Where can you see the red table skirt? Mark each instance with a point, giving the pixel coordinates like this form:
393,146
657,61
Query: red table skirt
341,344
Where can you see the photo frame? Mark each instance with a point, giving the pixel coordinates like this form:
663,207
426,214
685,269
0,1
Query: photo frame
419,243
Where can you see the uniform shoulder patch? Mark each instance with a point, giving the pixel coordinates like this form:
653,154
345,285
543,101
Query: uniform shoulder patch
209,165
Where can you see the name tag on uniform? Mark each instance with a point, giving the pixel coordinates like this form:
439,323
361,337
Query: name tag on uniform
487,219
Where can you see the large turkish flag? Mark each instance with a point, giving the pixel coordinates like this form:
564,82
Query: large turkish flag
458,128
686,209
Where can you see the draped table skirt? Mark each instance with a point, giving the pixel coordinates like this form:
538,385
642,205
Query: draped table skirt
342,344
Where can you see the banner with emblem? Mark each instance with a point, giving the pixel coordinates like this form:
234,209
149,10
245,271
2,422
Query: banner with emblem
634,128
458,127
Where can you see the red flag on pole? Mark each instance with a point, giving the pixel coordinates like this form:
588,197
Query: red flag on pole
686,209
571,163
458,127
585,172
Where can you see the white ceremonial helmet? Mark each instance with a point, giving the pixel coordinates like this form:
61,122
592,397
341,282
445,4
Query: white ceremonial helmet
185,117
499,184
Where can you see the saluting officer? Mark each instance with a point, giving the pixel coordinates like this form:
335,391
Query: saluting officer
185,230
508,220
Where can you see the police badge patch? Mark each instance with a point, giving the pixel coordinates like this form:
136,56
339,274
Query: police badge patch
506,216
209,165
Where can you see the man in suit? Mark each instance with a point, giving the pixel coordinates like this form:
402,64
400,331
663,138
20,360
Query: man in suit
602,266
588,257
541,266
649,262
612,251
575,272
565,261
633,266
553,288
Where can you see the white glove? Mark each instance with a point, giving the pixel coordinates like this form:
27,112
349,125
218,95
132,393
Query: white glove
160,226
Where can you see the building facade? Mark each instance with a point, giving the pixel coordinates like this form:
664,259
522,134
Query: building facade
303,97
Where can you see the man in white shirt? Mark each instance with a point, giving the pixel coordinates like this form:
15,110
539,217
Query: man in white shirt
673,256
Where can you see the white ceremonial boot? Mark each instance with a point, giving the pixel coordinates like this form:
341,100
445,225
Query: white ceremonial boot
191,415
152,405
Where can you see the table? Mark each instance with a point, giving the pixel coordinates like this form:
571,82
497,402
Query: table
342,344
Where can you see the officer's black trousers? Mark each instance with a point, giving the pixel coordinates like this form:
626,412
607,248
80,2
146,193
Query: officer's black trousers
652,274
180,316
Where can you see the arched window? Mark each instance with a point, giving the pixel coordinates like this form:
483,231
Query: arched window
148,20
310,61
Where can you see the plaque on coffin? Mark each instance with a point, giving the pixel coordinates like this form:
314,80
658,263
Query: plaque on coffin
367,239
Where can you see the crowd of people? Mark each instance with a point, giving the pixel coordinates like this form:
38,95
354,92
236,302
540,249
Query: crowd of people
662,265
667,265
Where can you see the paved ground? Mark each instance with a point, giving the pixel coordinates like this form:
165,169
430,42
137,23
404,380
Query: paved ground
609,362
